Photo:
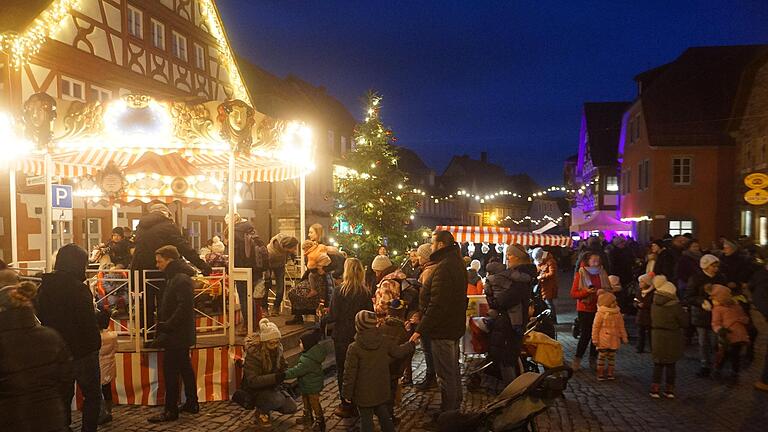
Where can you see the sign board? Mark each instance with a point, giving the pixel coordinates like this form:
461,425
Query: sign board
756,181
61,196
756,197
61,214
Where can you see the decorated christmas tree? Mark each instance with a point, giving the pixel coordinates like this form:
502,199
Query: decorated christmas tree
374,204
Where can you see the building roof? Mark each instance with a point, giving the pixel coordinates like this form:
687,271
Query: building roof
18,14
603,123
691,100
410,162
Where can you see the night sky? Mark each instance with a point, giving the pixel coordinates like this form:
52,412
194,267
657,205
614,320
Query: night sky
508,77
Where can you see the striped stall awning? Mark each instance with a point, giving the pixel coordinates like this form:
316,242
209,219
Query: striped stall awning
488,234
249,169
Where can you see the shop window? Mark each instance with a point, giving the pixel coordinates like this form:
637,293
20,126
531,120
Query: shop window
61,234
681,170
680,227
135,24
612,184
158,34
193,228
92,232
746,223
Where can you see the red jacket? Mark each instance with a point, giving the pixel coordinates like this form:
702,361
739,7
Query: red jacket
586,301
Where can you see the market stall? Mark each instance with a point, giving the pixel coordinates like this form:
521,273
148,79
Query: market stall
503,236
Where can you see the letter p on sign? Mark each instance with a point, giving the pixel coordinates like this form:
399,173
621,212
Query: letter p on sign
61,196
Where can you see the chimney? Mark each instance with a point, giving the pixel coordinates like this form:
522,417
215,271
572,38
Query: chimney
484,157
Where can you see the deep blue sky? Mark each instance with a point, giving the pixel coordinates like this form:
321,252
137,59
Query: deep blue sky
508,77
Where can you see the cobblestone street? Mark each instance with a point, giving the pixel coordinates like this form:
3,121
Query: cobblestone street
589,405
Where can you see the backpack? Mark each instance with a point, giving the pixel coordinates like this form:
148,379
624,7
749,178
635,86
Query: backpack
256,251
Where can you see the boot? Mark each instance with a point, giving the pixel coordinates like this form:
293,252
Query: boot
654,393
600,373
345,411
430,381
407,379
166,416
576,363
319,424
190,407
297,319
306,419
669,392
609,373
105,415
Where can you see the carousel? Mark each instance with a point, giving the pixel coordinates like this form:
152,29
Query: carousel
138,150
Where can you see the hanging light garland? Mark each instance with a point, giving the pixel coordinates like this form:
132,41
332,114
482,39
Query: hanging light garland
21,46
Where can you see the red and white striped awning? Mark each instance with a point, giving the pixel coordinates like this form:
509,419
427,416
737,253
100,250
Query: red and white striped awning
89,162
488,234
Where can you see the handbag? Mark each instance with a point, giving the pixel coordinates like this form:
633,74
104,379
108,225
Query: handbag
576,328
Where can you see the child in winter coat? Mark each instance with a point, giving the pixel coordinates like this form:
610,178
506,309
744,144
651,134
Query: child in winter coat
317,259
729,322
366,372
643,304
106,365
474,281
667,321
607,333
309,371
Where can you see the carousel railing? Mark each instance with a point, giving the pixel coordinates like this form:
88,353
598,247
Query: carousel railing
113,291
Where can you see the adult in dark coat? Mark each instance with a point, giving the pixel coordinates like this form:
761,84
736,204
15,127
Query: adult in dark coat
736,266
508,293
666,263
700,306
444,320
65,304
758,285
668,319
155,230
687,266
351,297
176,333
244,228
35,367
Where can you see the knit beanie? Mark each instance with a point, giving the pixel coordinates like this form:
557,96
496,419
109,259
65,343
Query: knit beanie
16,296
658,281
467,260
606,299
517,251
731,244
666,289
310,339
217,246
707,260
475,265
720,293
614,280
646,279
424,251
268,330
160,208
365,320
8,277
381,263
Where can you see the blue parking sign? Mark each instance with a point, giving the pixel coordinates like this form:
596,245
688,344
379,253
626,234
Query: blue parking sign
61,196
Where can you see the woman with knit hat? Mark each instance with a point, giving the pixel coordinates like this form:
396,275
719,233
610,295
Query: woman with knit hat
668,319
35,366
590,279
700,305
263,372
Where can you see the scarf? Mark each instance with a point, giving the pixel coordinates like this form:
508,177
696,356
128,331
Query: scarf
585,281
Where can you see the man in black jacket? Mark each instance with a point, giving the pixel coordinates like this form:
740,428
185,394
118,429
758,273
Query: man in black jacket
444,320
65,304
176,333
156,229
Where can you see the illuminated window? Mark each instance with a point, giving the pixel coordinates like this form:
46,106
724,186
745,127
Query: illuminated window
158,34
746,223
61,234
135,24
763,230
611,184
680,227
681,171
179,46
99,94
193,231
92,232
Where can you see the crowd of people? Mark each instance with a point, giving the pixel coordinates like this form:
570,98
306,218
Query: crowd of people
677,291
375,316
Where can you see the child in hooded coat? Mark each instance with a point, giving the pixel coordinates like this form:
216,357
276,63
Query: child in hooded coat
309,371
730,323
607,333
667,321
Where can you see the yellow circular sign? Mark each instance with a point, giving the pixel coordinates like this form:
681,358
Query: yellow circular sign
756,181
756,197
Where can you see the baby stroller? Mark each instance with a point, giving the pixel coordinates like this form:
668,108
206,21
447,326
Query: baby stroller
516,407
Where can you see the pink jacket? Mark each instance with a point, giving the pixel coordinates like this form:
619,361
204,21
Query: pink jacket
608,329
732,317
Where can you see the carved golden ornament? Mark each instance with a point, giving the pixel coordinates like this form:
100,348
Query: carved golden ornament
192,123
137,101
83,119
38,114
269,132
236,118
